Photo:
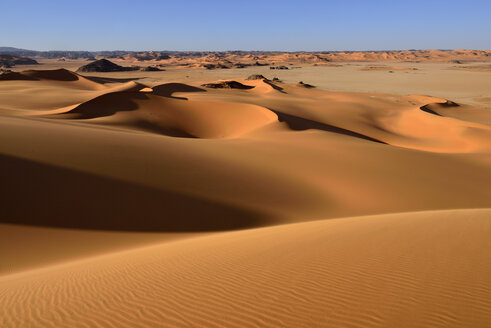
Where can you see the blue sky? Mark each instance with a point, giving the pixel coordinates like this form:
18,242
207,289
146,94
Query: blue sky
308,25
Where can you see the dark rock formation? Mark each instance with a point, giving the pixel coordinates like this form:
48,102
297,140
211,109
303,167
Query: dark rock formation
209,66
305,85
240,65
256,77
227,85
151,69
104,65
10,61
278,67
214,66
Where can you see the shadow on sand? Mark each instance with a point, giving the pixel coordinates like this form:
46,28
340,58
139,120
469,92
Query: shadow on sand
45,195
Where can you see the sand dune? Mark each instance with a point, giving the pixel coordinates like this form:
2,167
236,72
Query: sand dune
401,270
175,117
168,89
393,120
132,202
60,75
35,92
267,136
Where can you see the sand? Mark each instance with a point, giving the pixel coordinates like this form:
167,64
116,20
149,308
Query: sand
161,201
422,269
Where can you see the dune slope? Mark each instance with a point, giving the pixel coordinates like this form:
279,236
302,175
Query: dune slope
426,269
175,117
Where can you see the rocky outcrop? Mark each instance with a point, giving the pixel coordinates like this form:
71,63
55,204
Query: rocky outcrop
151,69
256,77
104,65
305,85
227,85
10,61
214,66
278,67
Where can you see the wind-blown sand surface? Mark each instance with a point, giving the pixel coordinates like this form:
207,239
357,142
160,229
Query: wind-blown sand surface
152,203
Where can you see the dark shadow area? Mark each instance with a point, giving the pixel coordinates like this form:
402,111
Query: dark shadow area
104,80
155,128
432,108
167,89
16,76
36,75
55,75
49,196
105,105
300,124
274,86
427,109
305,85
111,103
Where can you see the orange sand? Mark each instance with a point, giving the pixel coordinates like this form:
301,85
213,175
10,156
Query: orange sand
169,204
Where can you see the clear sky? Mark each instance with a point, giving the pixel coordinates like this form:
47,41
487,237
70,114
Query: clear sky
245,25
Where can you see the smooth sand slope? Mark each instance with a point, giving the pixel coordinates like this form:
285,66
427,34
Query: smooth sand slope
422,269
207,203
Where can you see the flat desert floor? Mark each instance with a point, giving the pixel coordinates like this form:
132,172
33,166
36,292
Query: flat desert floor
201,198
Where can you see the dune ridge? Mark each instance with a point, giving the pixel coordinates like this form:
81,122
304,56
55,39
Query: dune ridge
382,118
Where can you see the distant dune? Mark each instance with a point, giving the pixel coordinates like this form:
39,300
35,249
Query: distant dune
274,59
244,59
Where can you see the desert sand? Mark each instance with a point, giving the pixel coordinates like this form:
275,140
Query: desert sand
199,198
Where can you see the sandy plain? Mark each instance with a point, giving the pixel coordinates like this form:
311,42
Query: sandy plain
157,202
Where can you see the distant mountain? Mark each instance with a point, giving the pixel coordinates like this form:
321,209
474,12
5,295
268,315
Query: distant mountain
11,49
46,54
18,52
